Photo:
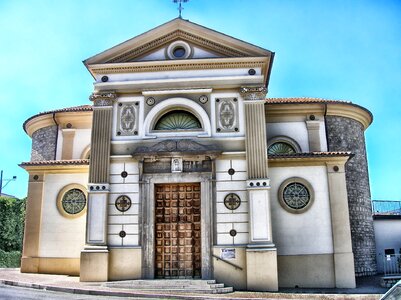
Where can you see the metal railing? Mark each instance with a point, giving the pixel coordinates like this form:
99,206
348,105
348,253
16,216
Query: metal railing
227,262
392,264
381,207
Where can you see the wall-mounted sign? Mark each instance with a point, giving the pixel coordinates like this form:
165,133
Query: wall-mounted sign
227,253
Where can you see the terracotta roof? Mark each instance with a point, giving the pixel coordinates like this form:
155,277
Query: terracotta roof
303,100
66,109
56,162
310,154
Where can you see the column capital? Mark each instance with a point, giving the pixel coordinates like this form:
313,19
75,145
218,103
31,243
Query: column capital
103,98
253,92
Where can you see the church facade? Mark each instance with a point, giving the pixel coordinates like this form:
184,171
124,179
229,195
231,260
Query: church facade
182,168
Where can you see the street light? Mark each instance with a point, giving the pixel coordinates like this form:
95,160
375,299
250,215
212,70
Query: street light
7,181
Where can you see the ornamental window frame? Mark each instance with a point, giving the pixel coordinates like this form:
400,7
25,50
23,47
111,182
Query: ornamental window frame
60,197
172,104
286,140
303,182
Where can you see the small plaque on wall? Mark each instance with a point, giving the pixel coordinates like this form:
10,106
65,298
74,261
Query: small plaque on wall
227,253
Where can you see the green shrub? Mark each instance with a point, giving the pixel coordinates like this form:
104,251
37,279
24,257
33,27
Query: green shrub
10,259
12,215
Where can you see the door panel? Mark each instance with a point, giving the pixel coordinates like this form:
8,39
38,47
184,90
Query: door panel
178,230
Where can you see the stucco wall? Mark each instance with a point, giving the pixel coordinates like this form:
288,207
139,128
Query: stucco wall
129,220
388,236
44,143
294,130
308,232
61,236
227,219
344,134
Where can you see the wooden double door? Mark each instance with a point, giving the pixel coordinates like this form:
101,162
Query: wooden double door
178,230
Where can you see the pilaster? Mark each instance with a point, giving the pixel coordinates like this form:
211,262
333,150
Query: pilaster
68,143
94,258
343,257
33,222
261,254
313,128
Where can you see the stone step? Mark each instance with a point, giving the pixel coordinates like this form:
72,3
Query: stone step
197,286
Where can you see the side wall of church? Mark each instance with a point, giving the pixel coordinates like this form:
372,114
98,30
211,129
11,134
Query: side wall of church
44,143
61,236
345,134
305,251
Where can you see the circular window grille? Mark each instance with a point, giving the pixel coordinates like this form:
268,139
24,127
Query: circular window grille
123,203
281,148
296,195
232,201
73,201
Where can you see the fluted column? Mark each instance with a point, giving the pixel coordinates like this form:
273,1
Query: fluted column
94,258
261,253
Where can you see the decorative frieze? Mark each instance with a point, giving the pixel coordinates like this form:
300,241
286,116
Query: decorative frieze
227,114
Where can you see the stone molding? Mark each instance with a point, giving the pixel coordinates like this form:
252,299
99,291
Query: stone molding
192,64
103,98
253,93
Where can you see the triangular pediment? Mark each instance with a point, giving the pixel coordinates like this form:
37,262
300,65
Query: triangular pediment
156,45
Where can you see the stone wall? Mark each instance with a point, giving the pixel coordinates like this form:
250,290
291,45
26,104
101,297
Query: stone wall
44,143
344,134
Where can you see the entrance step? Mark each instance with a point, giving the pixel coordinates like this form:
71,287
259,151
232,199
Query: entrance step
172,285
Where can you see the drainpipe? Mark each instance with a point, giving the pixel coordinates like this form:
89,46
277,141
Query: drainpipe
325,126
55,148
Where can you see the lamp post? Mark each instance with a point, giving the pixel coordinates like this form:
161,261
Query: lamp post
7,181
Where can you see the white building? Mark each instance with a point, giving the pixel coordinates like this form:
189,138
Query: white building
168,175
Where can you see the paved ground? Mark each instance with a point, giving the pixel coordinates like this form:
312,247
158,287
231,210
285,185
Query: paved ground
367,289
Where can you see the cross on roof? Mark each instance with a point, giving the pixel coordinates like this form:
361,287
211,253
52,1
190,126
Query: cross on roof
180,8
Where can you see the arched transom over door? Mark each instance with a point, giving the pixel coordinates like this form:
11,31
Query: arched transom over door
178,230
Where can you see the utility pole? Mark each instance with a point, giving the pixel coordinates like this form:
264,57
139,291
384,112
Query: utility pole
6,180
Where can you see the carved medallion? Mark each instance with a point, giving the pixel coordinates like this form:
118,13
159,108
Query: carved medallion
127,119
227,114
232,201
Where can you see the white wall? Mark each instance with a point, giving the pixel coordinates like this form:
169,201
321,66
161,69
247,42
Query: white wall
387,236
61,236
294,130
81,140
231,219
129,220
309,232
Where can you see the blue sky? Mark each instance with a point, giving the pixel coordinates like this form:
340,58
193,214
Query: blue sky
346,50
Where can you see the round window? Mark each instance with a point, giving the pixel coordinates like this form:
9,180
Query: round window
295,195
179,52
74,201
71,201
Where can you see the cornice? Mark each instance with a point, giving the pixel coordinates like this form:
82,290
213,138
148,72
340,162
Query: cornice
172,36
179,65
351,111
79,120
307,161
56,169
293,108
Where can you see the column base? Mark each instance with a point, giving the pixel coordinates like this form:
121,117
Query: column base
261,266
344,270
94,264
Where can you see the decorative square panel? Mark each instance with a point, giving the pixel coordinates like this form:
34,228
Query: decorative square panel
127,118
227,119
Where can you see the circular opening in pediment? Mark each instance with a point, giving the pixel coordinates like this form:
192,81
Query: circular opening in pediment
179,52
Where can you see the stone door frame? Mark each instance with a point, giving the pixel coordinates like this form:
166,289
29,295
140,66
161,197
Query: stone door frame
148,218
